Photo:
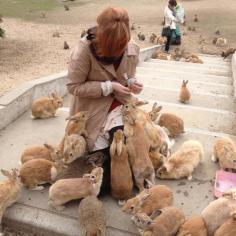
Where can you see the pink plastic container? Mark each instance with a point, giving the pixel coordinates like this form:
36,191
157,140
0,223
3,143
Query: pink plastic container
224,181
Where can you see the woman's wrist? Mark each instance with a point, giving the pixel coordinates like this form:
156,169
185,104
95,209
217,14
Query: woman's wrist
107,88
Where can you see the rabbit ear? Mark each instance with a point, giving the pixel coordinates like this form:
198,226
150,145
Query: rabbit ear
6,173
113,148
140,103
144,197
155,213
164,149
186,81
156,110
154,106
53,94
48,146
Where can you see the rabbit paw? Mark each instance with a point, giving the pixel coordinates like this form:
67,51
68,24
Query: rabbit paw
38,188
121,202
190,177
213,158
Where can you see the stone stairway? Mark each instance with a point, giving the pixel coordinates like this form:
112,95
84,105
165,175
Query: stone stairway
209,115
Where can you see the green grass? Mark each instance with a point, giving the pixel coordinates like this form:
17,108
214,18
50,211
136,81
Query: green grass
25,8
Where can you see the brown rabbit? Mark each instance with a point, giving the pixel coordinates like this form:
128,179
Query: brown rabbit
228,52
221,42
153,38
147,201
184,95
173,123
46,107
121,175
74,147
138,147
228,228
9,191
65,190
183,162
92,217
161,56
157,158
76,125
40,171
167,223
225,152
218,211
194,226
49,152
161,40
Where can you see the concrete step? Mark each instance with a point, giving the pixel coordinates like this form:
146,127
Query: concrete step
209,56
194,86
192,65
179,74
213,120
206,100
177,66
32,211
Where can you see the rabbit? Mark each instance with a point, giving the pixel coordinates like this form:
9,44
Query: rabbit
92,217
183,162
166,222
65,190
74,147
225,152
138,146
76,125
161,56
153,38
9,191
194,60
82,166
46,107
185,94
158,196
195,18
40,171
131,113
121,181
141,36
161,40
228,52
228,228
194,226
47,151
173,123
221,42
218,211
157,158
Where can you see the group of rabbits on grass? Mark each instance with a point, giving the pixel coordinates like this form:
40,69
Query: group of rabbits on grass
139,153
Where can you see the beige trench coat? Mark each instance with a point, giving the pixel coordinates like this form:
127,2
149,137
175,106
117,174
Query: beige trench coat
85,75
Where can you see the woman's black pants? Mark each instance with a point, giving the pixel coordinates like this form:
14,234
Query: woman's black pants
167,46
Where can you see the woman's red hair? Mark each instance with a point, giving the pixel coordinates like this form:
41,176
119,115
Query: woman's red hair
113,32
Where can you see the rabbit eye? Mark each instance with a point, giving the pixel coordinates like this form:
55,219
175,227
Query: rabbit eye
93,177
57,153
132,207
149,222
138,220
71,154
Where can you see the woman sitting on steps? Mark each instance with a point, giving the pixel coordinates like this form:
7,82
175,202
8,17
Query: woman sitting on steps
98,70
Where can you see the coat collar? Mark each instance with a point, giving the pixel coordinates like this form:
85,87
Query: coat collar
131,50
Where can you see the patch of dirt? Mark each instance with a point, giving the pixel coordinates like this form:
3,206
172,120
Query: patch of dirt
29,51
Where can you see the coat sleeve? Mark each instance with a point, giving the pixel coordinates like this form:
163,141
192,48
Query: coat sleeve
78,71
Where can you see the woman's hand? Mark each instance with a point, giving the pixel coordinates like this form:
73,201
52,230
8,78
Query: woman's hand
120,89
136,87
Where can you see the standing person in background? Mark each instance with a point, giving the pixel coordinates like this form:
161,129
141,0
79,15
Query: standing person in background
170,22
